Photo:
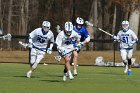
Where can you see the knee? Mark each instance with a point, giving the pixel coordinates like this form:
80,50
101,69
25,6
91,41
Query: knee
75,55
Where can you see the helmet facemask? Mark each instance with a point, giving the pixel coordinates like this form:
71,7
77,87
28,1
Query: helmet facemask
79,22
68,33
68,28
46,26
46,29
125,25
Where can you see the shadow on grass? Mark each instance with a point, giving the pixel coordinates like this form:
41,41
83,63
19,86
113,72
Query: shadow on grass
111,73
51,80
26,77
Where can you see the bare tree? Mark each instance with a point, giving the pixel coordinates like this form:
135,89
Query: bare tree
9,20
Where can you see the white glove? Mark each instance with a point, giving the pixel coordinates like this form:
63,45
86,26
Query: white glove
80,44
49,51
30,45
131,44
77,48
115,37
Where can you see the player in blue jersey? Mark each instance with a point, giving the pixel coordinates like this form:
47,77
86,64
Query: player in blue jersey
84,38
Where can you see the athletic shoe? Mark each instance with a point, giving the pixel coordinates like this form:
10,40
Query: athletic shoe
64,77
29,74
75,73
126,69
71,77
129,73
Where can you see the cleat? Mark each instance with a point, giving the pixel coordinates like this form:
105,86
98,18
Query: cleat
129,73
75,73
126,69
71,77
64,77
29,74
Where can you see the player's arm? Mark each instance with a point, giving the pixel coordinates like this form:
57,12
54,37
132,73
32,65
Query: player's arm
135,39
87,36
58,41
49,50
118,37
31,36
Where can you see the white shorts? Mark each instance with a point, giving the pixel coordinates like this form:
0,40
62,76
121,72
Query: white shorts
36,55
126,53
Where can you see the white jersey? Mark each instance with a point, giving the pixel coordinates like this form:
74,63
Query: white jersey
40,39
126,38
62,40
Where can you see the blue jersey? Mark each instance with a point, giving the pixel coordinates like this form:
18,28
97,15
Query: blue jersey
83,33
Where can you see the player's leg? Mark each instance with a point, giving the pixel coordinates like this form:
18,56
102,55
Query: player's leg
130,53
34,66
124,59
65,73
75,56
67,63
36,57
32,60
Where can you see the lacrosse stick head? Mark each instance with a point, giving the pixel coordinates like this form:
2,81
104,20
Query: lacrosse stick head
23,44
8,37
58,58
88,23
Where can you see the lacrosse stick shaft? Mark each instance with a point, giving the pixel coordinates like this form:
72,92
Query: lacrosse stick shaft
26,45
70,52
90,24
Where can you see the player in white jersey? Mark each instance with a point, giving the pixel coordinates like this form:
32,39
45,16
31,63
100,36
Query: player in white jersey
38,41
65,47
127,39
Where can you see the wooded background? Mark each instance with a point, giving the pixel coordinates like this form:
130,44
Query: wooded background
20,17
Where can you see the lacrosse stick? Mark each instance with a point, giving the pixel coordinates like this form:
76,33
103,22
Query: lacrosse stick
25,45
90,24
58,58
8,37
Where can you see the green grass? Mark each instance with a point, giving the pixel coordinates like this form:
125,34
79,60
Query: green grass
48,79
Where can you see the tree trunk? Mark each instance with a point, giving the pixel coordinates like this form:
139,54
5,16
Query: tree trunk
93,18
114,21
9,21
134,22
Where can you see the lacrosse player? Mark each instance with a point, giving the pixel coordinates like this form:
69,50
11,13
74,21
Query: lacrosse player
127,39
84,38
38,39
65,47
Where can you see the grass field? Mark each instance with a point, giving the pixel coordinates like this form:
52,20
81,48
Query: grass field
48,79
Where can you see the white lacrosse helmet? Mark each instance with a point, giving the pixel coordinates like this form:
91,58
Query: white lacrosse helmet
68,28
80,21
125,25
46,24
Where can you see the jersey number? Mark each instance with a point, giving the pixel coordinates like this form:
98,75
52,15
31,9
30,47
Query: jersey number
125,39
41,40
